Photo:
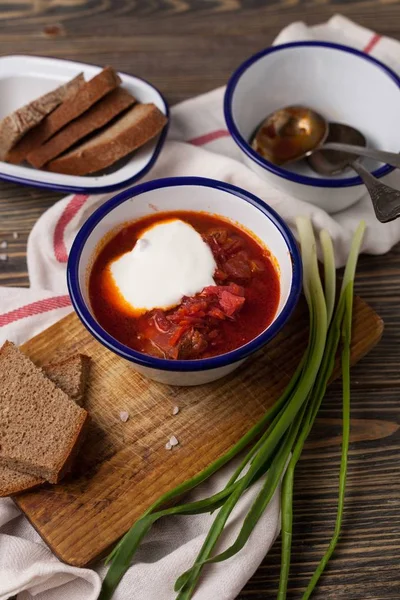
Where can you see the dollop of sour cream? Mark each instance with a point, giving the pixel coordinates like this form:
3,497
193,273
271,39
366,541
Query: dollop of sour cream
169,260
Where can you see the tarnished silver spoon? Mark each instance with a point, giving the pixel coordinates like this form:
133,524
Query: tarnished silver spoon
385,199
297,132
294,132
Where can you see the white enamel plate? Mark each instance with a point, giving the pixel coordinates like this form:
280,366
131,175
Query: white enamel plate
25,78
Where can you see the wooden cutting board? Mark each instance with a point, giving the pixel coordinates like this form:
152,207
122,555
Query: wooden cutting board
124,467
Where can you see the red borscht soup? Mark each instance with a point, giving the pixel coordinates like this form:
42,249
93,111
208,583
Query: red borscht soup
235,309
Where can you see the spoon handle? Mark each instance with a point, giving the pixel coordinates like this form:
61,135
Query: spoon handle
391,158
385,199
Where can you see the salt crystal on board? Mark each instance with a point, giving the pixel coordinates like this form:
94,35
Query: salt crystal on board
175,410
124,416
3,244
15,235
173,441
168,446
3,257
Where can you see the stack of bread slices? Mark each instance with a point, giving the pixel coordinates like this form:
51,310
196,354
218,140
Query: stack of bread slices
81,127
42,421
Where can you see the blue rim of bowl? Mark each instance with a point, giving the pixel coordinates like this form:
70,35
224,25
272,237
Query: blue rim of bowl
76,189
202,364
262,162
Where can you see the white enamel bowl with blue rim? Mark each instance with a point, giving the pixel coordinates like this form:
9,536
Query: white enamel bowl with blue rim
193,194
342,84
25,78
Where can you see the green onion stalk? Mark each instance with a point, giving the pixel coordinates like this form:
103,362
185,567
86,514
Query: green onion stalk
347,295
275,443
342,314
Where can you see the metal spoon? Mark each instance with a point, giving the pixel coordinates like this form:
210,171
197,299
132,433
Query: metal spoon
295,132
385,199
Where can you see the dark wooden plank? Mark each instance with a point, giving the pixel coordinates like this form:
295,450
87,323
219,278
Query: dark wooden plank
187,47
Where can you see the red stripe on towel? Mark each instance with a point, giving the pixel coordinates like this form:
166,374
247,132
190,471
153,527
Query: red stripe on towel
35,308
73,206
209,137
372,43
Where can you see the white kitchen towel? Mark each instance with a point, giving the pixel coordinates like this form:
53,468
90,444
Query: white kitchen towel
198,144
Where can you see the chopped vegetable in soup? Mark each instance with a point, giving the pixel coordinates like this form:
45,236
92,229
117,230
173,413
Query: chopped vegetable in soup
238,305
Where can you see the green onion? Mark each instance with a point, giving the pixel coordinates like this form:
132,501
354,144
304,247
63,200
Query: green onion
123,553
276,441
329,272
345,443
347,294
317,395
271,483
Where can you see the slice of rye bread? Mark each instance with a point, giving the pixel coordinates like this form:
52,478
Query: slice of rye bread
13,482
40,427
71,376
140,124
16,125
74,106
96,117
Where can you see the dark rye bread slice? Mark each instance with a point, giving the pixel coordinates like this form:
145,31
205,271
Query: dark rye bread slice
14,126
74,106
140,124
70,375
40,427
14,482
96,117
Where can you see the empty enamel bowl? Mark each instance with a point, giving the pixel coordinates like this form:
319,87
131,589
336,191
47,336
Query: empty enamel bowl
343,84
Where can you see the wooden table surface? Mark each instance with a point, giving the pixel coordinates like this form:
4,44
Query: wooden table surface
186,47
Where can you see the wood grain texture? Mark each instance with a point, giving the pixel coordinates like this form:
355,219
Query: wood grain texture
124,467
187,47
